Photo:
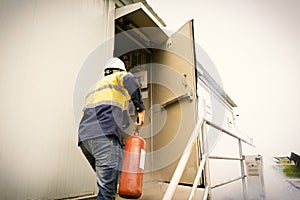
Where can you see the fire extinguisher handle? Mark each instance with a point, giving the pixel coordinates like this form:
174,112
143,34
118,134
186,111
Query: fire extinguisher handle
136,132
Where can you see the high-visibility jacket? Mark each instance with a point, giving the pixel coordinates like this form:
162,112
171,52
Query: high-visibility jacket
104,105
109,90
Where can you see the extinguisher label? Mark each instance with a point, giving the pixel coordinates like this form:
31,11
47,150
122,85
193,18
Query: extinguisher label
142,159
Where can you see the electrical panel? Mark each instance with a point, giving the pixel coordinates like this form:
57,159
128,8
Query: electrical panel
136,59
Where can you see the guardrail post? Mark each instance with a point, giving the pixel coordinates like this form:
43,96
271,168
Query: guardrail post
205,152
243,169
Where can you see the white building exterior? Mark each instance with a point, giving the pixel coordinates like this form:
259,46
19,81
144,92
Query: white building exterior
43,47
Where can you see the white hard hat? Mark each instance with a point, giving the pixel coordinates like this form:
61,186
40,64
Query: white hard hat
115,63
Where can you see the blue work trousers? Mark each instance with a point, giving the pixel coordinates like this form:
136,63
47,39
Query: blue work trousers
105,155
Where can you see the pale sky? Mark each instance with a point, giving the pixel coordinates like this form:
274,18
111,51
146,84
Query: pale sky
255,46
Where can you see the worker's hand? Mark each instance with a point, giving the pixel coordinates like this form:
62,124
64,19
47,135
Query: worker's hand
141,119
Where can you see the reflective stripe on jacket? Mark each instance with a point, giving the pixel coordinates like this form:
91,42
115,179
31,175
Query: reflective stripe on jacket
109,91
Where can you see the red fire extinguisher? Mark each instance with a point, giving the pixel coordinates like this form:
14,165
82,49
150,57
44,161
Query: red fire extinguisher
130,185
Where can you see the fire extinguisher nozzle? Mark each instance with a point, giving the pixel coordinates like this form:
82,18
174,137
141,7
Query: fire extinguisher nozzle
136,132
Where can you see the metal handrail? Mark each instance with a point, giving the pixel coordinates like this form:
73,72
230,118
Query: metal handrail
204,166
242,157
182,163
228,132
197,178
229,181
225,158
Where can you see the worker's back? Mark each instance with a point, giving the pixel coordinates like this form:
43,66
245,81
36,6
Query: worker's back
104,104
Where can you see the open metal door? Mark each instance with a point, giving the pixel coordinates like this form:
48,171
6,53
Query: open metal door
174,104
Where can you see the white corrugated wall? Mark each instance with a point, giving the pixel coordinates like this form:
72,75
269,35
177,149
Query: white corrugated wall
42,46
